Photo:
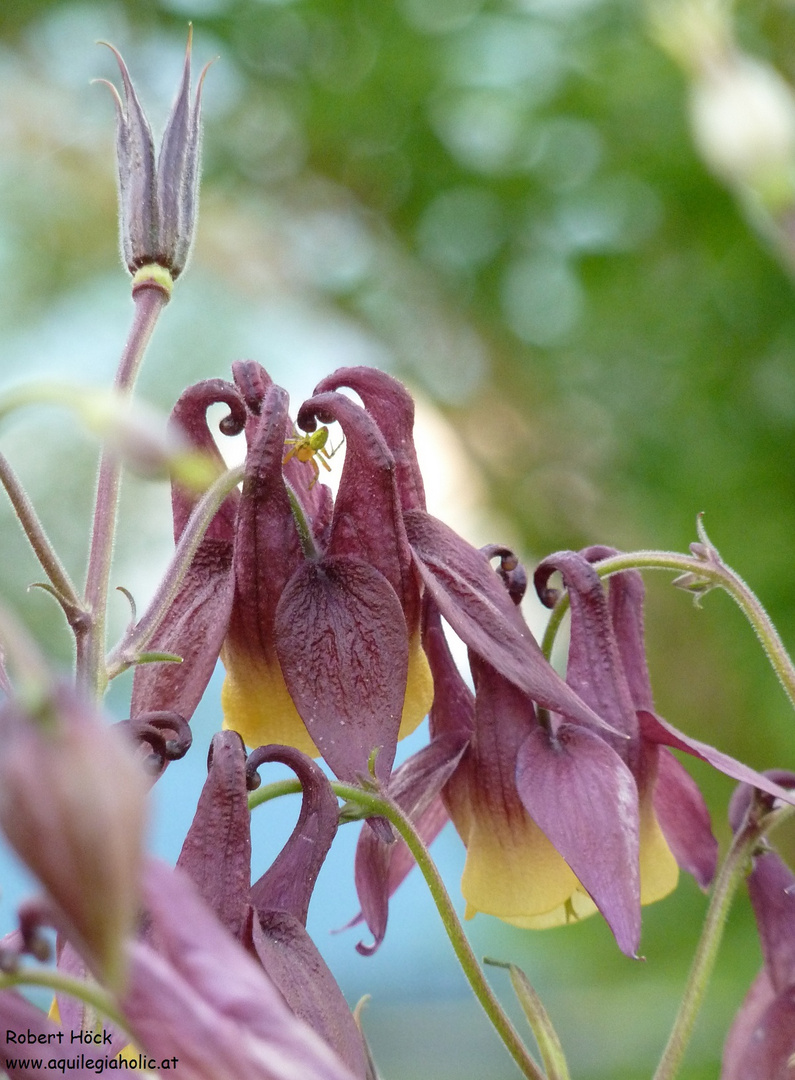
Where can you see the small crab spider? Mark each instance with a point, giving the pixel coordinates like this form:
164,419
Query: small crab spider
311,448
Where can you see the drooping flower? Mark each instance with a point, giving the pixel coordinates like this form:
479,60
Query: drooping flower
157,197
196,1003
269,917
561,816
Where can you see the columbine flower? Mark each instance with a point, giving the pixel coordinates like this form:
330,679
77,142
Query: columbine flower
318,603
761,1042
195,999
564,817
269,917
158,200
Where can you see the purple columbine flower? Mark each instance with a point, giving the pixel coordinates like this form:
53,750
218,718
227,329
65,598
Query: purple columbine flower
158,197
269,917
560,815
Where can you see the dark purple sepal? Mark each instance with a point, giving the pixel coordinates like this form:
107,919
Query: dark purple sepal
381,867
655,729
684,818
594,670
367,522
474,601
197,619
391,406
581,794
288,883
343,649
294,965
216,854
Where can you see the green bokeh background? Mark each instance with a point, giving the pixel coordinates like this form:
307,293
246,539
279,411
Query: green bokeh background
500,203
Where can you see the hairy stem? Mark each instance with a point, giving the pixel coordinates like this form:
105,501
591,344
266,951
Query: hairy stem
38,540
734,869
379,806
713,573
91,672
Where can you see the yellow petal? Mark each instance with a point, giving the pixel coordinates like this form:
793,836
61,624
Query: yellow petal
513,871
419,689
659,872
257,705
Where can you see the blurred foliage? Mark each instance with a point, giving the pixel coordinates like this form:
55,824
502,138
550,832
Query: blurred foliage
500,202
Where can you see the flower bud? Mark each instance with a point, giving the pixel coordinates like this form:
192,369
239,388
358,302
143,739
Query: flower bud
72,805
157,201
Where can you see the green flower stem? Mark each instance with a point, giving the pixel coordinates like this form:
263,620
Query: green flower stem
712,573
135,641
275,790
91,672
378,806
88,992
731,875
37,538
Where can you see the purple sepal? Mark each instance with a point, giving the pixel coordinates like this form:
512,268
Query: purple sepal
655,729
216,854
17,1014
474,601
292,961
381,867
582,795
684,818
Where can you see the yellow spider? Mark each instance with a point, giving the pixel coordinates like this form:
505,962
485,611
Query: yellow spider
311,448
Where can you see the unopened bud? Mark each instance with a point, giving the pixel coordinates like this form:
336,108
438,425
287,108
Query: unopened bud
72,805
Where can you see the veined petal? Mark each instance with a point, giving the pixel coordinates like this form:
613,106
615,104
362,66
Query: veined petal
391,406
342,645
256,703
512,870
474,601
584,798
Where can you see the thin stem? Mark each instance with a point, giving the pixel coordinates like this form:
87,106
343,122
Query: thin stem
38,539
275,790
731,875
91,673
382,807
90,993
712,574
138,636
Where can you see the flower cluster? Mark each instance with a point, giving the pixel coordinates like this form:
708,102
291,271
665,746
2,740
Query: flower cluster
331,615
